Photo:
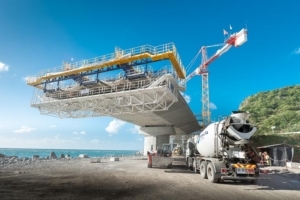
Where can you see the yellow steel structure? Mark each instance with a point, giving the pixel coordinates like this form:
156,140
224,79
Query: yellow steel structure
153,53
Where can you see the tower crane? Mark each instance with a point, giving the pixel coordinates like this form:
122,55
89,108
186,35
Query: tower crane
236,40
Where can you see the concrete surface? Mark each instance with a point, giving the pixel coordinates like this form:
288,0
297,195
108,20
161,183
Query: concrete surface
131,179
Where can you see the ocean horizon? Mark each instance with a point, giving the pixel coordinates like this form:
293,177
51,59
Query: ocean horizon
28,152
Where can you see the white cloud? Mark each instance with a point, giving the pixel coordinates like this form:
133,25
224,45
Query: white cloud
135,129
57,136
52,126
139,139
24,129
187,98
297,51
29,78
77,138
95,141
212,106
79,133
3,67
114,126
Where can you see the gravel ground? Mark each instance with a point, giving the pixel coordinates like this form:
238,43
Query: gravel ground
130,178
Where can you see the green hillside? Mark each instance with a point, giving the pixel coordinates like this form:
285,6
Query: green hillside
276,112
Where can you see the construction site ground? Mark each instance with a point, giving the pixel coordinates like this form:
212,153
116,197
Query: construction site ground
130,178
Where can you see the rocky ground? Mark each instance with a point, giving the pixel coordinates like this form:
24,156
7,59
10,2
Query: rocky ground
130,178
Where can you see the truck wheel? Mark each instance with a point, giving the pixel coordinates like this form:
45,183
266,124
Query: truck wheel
211,175
203,166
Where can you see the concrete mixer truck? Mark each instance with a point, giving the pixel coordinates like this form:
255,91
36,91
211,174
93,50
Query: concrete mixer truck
223,151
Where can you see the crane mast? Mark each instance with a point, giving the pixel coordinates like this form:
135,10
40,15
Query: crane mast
236,40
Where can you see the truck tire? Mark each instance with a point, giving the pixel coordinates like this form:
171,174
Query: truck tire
256,175
203,170
211,175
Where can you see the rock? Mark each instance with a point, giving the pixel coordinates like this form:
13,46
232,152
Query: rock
114,159
68,156
35,157
12,159
62,156
9,157
95,160
2,155
52,155
83,156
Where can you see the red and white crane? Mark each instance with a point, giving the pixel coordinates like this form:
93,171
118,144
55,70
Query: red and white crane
236,40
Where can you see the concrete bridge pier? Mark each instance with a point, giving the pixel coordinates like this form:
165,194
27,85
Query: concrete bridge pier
155,137
152,143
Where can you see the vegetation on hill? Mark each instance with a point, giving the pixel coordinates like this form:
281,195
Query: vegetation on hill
274,113
278,108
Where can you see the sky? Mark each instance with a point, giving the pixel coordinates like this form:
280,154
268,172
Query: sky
37,35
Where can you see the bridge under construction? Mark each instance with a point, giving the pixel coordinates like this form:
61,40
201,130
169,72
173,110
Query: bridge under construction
138,89
138,93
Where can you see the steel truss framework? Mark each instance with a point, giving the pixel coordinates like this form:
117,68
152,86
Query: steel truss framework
122,98
205,92
131,102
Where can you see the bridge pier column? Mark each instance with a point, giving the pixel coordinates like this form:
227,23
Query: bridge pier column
162,139
149,144
155,137
152,143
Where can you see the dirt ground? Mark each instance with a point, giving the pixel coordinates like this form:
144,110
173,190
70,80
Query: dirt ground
130,178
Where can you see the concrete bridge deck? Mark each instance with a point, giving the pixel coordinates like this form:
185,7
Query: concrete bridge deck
153,102
140,94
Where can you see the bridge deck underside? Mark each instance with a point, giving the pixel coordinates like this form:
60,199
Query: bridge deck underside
178,119
153,102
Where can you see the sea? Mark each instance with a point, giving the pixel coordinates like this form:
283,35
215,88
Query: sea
28,153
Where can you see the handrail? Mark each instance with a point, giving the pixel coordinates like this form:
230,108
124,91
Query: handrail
118,54
41,97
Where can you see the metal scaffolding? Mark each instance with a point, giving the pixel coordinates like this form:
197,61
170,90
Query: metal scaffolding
155,92
119,59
